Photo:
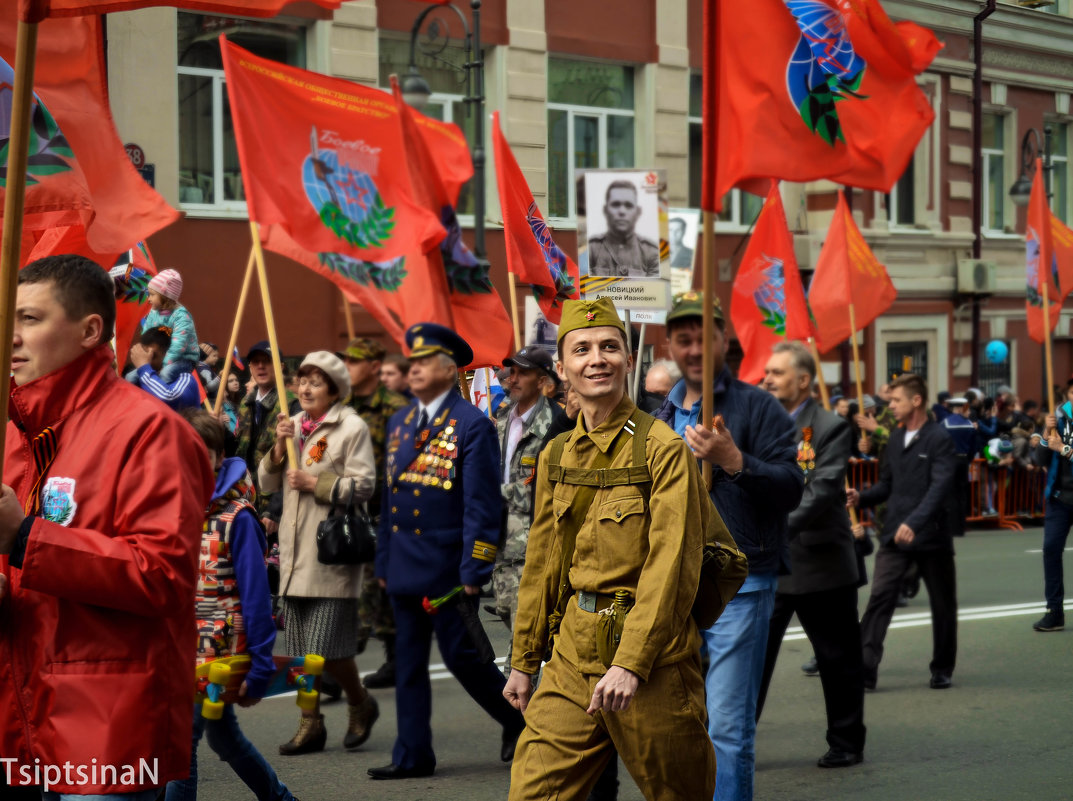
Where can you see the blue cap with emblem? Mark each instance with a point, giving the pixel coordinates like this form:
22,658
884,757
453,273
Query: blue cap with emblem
426,339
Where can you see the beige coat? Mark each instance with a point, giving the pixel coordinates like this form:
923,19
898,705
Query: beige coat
347,454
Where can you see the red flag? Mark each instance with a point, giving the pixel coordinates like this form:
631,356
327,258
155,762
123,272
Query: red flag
476,310
532,254
1041,262
37,10
768,301
846,273
236,360
808,89
323,158
78,172
202,395
1062,242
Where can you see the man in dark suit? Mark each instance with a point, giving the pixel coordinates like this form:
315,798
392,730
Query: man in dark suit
822,585
439,532
916,479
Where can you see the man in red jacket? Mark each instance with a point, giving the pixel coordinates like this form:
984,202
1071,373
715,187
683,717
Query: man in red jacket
100,522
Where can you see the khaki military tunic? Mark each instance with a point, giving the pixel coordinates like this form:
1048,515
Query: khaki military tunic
636,256
652,549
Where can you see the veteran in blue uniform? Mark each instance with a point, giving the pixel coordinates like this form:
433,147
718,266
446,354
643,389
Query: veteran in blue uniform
439,529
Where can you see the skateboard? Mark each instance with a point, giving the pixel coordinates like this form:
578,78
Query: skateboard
218,682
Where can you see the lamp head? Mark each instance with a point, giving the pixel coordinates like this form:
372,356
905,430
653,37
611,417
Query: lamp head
415,89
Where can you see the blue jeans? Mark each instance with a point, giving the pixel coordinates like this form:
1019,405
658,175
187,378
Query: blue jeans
231,745
170,372
1056,525
141,795
736,646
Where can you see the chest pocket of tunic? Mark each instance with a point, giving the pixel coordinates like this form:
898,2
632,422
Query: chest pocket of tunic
621,529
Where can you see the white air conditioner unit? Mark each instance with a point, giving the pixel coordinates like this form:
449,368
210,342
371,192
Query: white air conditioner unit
976,277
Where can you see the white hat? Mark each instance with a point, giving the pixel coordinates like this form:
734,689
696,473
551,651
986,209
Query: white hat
333,367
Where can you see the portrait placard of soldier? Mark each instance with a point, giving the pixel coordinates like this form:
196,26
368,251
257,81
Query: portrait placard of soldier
622,234
683,225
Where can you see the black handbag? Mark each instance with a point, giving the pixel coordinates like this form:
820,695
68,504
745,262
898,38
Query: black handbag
347,538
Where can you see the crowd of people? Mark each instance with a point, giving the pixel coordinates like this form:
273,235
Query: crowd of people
583,520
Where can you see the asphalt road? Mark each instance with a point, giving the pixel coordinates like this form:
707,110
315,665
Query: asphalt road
1002,732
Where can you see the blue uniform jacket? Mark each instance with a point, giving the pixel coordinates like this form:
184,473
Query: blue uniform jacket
442,509
755,504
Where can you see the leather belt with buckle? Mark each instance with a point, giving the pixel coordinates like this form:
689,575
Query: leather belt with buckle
592,601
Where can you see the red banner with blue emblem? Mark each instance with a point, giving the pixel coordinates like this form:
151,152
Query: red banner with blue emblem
323,159
801,90
1041,263
532,254
768,302
847,273
37,10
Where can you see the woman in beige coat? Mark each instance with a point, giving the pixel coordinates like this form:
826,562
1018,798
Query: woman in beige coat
320,602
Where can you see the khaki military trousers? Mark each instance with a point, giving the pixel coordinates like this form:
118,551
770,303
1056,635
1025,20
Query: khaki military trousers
662,737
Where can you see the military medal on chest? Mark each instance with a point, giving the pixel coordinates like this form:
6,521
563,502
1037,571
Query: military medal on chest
806,453
435,466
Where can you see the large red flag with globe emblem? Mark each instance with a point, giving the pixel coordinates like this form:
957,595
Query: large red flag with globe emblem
37,10
78,174
768,302
532,254
807,89
1041,263
847,273
323,158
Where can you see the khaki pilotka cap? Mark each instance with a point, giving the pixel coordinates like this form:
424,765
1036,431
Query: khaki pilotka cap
588,314
365,350
691,304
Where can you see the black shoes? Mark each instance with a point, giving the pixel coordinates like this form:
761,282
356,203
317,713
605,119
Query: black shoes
510,740
837,758
869,681
1054,620
393,771
940,681
810,668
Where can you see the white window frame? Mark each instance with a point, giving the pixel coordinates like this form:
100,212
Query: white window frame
225,208
1062,162
1011,168
601,114
735,225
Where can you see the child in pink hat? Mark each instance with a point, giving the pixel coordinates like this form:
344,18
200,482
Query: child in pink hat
164,290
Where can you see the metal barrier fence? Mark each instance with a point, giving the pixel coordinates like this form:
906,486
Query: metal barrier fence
1000,495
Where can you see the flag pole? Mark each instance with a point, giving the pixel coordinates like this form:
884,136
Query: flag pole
856,359
1047,356
15,199
488,386
708,373
349,316
270,322
239,313
637,370
824,395
514,313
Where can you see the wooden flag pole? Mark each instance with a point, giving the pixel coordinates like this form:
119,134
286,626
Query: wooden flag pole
637,370
708,373
15,199
825,396
514,313
239,313
1047,357
488,386
349,317
856,359
273,342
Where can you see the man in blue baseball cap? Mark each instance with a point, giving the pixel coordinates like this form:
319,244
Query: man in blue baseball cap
439,532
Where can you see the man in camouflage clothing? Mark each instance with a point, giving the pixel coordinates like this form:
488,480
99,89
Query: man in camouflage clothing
375,403
521,433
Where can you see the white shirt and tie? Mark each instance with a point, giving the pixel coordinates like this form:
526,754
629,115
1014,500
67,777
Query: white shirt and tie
515,428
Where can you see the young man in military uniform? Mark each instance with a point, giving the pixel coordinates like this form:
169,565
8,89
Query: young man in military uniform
439,532
521,438
375,403
646,699
621,251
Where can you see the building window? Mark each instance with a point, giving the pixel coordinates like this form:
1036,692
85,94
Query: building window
1060,170
210,179
590,125
994,172
448,84
740,209
994,374
1060,7
901,202
906,357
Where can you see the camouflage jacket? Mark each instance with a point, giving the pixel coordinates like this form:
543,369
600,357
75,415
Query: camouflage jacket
255,441
517,493
376,409
880,437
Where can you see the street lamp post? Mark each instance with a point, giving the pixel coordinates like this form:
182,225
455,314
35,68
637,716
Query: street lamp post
1032,145
416,91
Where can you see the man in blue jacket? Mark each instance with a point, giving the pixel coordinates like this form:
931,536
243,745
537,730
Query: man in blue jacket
148,360
1055,452
756,483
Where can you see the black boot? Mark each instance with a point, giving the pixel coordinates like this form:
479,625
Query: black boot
385,674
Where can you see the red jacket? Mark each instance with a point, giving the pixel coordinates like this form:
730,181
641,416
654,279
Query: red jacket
97,632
